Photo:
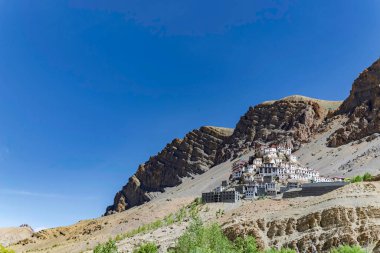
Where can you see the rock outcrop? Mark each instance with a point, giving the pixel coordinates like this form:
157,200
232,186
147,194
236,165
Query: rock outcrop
361,108
181,158
291,121
322,230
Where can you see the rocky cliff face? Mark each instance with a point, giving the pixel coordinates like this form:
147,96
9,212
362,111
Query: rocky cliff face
292,121
361,108
182,157
347,216
323,230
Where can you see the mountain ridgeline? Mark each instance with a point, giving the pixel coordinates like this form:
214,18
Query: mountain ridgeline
292,120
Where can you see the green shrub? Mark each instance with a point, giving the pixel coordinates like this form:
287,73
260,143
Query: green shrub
357,179
198,201
348,249
108,247
245,245
118,238
367,177
199,238
157,224
210,239
169,220
146,248
5,250
181,214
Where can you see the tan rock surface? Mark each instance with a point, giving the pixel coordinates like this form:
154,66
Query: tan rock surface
12,235
350,215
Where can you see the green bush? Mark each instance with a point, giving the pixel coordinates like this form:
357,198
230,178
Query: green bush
5,250
367,177
108,247
199,238
245,245
169,220
357,179
198,201
190,210
181,214
348,249
210,239
147,248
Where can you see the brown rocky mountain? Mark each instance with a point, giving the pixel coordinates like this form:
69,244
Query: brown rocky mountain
361,107
293,121
181,158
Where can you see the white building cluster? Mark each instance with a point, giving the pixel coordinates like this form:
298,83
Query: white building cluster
274,164
271,171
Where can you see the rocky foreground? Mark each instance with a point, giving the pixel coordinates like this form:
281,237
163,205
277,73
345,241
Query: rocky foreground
349,215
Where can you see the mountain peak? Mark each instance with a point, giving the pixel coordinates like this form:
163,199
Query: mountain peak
326,104
361,108
365,90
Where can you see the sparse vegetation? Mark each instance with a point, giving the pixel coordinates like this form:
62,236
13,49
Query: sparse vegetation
366,178
357,179
5,250
199,238
108,247
219,213
262,197
348,249
283,250
210,239
205,238
246,245
146,248
190,210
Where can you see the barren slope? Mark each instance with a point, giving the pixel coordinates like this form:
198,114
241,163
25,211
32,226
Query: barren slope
12,235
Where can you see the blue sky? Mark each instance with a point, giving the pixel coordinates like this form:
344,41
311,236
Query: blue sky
91,89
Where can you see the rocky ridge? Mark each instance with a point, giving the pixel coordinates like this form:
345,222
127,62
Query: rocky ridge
181,158
291,121
361,107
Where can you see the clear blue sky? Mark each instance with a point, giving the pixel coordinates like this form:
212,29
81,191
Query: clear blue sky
89,89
